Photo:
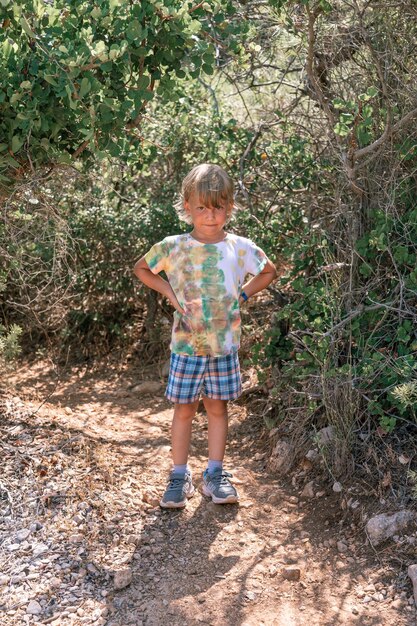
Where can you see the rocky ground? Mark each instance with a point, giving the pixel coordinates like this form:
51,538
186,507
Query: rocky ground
82,540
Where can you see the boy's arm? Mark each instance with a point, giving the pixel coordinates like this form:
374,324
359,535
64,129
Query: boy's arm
156,282
260,281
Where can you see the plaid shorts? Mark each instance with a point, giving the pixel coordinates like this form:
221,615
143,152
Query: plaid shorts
214,377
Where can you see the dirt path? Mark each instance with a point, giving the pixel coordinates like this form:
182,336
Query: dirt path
208,564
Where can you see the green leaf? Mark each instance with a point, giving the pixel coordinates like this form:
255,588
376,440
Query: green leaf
116,3
26,27
208,69
365,270
84,87
50,79
17,143
346,118
11,161
72,103
143,82
134,31
341,129
96,12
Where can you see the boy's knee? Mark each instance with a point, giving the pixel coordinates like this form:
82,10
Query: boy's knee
216,408
185,411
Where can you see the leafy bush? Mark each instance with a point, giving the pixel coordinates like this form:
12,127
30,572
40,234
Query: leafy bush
9,343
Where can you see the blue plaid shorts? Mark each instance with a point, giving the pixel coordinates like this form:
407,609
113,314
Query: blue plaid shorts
214,377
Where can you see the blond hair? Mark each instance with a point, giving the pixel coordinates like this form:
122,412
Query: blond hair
211,184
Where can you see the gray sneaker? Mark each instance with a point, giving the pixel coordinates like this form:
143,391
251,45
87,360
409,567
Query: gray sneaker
217,486
179,488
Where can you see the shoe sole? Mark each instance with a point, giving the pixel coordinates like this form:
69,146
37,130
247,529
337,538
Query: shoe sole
176,505
229,500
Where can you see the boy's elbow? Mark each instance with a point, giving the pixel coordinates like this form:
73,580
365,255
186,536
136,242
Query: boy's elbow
271,270
137,270
139,267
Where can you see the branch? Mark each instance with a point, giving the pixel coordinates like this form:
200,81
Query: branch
135,123
245,154
311,73
387,132
80,149
365,309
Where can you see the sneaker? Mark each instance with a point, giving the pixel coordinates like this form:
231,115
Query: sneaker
217,486
179,488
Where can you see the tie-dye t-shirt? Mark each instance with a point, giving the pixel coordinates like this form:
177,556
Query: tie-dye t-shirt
207,279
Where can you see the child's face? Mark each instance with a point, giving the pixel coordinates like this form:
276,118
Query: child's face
207,219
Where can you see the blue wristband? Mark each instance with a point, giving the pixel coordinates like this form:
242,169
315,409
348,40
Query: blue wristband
244,296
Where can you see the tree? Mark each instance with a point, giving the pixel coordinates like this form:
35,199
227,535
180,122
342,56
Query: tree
76,77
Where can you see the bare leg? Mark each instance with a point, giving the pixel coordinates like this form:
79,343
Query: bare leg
181,431
217,427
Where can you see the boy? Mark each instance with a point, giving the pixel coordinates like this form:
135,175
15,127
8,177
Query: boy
206,269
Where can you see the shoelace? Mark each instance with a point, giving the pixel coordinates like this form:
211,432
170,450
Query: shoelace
221,479
176,483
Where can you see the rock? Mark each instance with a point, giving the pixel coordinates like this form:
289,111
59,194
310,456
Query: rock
39,548
306,465
337,487
273,570
291,573
341,546
326,435
312,455
383,526
250,595
308,491
149,386
122,578
246,504
76,538
92,569
412,572
23,534
165,369
34,608
151,497
404,460
378,597
13,547
4,580
280,456
293,499
18,578
397,604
